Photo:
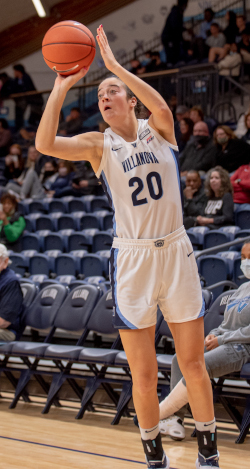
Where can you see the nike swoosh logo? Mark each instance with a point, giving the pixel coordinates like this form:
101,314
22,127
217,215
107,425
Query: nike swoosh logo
207,424
190,253
149,431
116,149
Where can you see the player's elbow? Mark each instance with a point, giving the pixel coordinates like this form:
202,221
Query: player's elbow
42,147
164,113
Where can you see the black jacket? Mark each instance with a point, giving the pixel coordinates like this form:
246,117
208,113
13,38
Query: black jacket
200,158
236,153
221,209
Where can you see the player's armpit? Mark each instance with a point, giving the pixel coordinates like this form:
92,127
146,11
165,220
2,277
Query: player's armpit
164,125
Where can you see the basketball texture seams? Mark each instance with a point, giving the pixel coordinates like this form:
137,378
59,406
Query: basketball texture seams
68,44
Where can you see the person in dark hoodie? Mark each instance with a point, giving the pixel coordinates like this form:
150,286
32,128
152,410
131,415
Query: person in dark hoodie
199,153
194,199
12,223
11,299
231,152
171,36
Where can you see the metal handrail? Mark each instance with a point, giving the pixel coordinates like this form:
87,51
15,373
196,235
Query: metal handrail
221,246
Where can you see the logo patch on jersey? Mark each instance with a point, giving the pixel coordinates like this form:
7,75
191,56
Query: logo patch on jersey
150,138
116,149
159,243
133,144
144,133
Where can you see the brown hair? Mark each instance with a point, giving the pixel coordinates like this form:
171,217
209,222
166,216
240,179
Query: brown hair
246,116
67,164
139,107
226,185
185,137
199,110
19,156
10,197
229,132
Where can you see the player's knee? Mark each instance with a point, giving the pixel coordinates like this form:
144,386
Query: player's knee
194,370
146,382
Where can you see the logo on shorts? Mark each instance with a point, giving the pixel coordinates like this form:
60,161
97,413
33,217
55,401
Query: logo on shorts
159,243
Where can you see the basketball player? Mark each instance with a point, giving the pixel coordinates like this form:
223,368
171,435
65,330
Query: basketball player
152,260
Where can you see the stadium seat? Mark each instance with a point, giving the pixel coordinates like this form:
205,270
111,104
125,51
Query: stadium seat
65,264
86,220
105,255
56,205
105,219
29,224
92,265
29,291
44,222
65,279
54,216
93,203
215,238
54,241
32,241
65,222
38,279
242,218
81,240
230,230
52,254
214,269
38,206
31,220
40,264
196,234
76,205
102,241
230,256
19,263
238,276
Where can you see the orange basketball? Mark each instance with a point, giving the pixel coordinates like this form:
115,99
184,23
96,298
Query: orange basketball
67,47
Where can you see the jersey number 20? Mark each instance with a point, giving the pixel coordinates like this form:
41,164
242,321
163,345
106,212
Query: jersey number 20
139,181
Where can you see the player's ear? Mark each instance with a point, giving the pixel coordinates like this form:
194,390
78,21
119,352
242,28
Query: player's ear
133,101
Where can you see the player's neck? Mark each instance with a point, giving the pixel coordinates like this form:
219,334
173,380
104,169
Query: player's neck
127,129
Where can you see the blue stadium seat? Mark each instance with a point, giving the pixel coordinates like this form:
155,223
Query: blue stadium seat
230,257
78,253
20,263
215,314
54,241
105,219
65,264
105,255
198,233
65,279
76,205
98,281
40,264
214,269
238,276
242,217
215,238
52,254
29,253
31,220
44,222
66,234
231,231
93,203
81,240
29,291
38,279
25,204
56,205
102,241
38,206
54,216
21,207
92,265
76,283
32,241
86,220
29,225
65,222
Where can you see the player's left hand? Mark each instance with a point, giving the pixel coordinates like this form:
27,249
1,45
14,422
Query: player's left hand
106,52
211,343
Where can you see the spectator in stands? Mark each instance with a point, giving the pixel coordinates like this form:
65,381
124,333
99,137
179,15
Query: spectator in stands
217,38
219,208
199,153
243,27
22,84
246,137
171,37
204,31
84,182
230,65
231,152
180,112
72,124
5,137
135,66
198,42
186,130
49,174
194,199
11,299
241,128
244,48
240,181
227,349
196,114
66,172
230,32
14,163
28,183
155,64
12,223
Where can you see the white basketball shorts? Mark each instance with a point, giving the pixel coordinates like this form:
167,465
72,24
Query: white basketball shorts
150,272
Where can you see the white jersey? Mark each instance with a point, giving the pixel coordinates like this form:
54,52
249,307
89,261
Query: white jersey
142,183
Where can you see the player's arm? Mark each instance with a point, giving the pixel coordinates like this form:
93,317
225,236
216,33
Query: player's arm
86,146
161,118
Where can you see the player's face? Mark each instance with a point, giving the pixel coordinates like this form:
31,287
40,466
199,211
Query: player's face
215,181
112,100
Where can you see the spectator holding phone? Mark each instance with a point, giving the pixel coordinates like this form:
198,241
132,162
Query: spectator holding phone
14,163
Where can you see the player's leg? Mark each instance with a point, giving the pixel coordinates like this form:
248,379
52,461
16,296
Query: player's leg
189,345
139,346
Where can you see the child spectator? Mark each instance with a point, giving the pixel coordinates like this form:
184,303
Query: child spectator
12,223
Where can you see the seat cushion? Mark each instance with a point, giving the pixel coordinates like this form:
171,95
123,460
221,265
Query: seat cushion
63,352
97,355
6,347
34,349
245,371
121,359
164,361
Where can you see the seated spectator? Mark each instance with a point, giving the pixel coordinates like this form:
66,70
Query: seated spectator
230,33
72,124
219,208
243,27
244,48
198,43
199,153
11,299
246,137
230,65
194,199
135,66
186,130
66,172
196,114
241,128
240,181
204,31
180,112
5,137
84,182
217,38
231,152
227,349
28,183
49,174
155,64
12,223
14,163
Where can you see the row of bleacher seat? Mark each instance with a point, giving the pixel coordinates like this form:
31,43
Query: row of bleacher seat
69,204
78,221
203,238
86,310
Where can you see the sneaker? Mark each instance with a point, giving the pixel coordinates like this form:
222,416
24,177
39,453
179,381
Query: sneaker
163,464
173,426
206,463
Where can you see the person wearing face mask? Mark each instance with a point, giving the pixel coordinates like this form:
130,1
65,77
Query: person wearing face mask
49,174
231,152
66,172
12,223
199,153
218,211
227,349
11,299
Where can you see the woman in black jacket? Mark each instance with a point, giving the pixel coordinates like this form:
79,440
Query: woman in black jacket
219,208
231,152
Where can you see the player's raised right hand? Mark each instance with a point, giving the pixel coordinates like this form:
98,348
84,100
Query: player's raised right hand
66,82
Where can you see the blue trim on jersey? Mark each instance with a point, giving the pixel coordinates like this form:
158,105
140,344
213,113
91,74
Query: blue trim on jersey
177,164
109,196
117,309
202,311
